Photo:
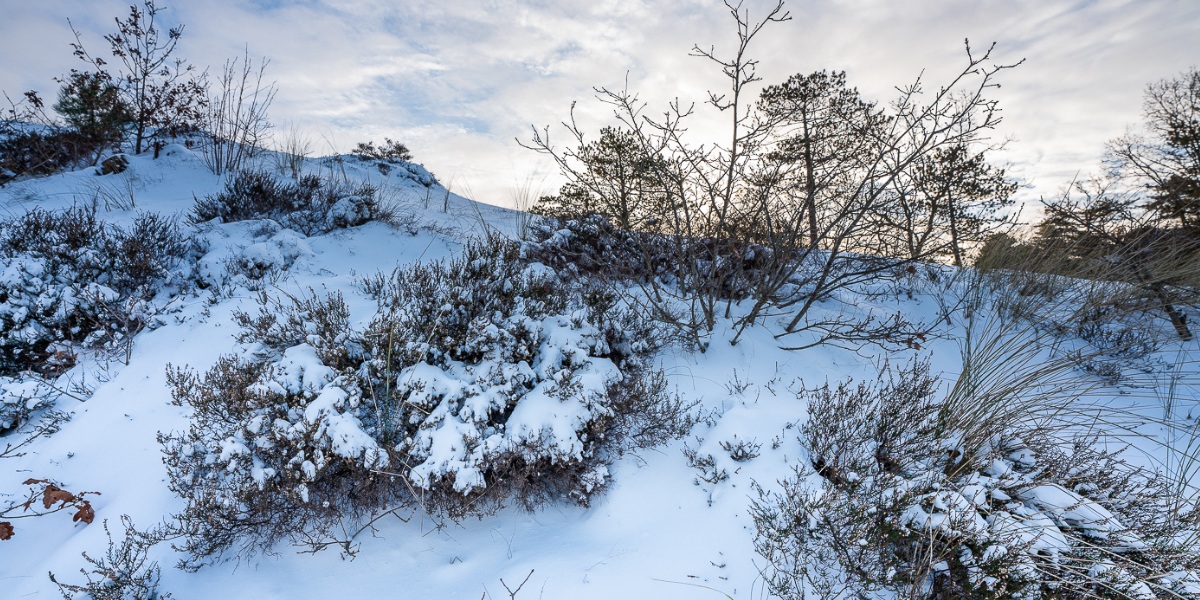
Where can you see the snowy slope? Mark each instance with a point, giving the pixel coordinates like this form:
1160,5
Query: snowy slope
658,531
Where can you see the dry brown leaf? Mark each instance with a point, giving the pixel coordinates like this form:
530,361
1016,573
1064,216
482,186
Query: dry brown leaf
6,530
32,481
54,494
86,513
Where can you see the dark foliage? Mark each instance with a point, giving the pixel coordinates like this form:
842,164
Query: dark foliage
310,205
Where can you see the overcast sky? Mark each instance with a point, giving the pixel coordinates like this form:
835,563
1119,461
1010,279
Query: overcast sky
458,81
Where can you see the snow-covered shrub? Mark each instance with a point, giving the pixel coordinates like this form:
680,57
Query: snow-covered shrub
275,450
479,382
66,278
496,381
322,322
310,205
890,505
68,281
142,256
594,246
252,255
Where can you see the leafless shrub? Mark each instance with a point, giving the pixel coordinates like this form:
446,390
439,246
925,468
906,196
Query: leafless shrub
236,117
761,229
125,572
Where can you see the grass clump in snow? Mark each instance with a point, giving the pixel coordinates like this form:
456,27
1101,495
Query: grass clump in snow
480,382
310,205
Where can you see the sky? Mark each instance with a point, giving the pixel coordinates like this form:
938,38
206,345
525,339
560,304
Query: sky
461,82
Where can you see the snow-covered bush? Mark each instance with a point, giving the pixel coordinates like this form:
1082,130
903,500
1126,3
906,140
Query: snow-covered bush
276,447
480,381
275,450
499,381
890,503
594,246
311,205
68,281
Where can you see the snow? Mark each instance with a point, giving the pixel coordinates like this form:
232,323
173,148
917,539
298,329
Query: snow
654,532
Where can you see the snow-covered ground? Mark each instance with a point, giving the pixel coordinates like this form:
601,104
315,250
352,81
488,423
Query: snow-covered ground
658,531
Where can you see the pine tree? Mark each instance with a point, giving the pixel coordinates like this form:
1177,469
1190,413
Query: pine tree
967,196
91,103
1163,159
831,134
618,180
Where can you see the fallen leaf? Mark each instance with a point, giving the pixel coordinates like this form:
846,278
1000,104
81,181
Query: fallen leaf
6,530
86,513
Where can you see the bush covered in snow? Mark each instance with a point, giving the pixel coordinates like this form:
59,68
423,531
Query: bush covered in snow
479,382
311,205
274,450
69,281
496,380
890,503
594,246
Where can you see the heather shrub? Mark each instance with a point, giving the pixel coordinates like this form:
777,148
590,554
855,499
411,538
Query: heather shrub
274,450
499,382
123,572
480,382
67,279
69,283
310,205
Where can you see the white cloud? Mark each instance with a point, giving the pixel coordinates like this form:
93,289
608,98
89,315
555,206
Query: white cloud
458,81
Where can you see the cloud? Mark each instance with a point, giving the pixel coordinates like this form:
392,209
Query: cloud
460,81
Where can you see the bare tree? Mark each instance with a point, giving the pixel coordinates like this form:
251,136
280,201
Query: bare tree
792,206
165,95
236,119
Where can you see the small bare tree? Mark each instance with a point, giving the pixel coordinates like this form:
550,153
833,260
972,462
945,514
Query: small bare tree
794,205
165,95
236,119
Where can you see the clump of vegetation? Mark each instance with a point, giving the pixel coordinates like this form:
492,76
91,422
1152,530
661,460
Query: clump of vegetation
555,380
125,572
70,283
390,152
310,205
913,491
480,382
